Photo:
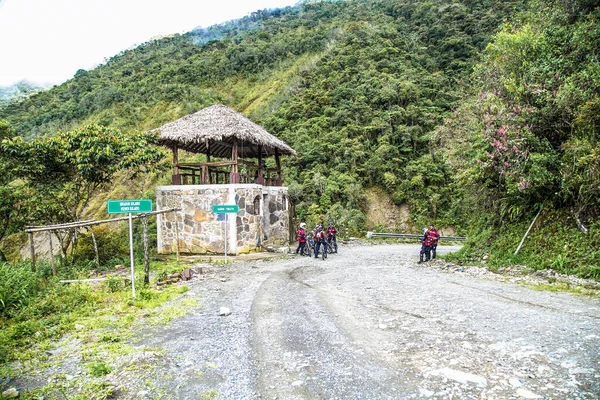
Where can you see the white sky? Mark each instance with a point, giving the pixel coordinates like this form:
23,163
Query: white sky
47,41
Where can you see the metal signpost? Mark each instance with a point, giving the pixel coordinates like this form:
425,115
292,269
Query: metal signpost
226,209
129,207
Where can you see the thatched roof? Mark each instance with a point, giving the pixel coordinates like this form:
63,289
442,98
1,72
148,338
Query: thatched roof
218,126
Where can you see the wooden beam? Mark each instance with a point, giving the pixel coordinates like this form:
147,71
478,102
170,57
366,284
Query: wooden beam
210,164
52,255
83,280
175,179
279,179
234,175
207,150
32,229
32,249
175,160
260,179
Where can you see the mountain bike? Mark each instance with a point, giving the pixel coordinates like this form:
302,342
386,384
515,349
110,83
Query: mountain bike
323,249
309,248
332,246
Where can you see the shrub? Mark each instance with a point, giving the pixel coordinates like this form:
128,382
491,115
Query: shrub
98,369
18,284
113,283
111,245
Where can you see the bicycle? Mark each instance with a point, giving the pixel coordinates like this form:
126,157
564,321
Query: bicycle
323,249
332,246
309,248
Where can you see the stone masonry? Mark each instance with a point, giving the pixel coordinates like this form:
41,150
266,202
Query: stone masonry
263,218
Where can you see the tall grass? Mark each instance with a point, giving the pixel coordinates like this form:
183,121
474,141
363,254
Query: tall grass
554,243
18,286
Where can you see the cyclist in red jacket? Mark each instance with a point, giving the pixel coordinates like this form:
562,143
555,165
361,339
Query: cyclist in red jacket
425,246
301,239
434,236
320,239
331,235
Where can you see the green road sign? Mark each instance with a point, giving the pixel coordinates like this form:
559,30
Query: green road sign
226,209
129,206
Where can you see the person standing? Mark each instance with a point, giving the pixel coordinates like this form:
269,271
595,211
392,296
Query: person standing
425,246
301,239
331,235
320,239
434,236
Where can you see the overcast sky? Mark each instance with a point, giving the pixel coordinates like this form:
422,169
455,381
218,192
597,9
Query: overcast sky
47,41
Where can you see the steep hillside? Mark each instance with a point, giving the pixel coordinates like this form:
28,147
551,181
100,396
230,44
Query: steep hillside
526,142
357,87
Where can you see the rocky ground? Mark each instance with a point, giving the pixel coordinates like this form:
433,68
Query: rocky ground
367,323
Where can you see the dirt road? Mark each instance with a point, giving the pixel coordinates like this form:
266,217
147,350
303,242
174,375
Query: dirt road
369,323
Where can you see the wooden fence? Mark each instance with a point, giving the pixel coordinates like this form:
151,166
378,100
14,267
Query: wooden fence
81,224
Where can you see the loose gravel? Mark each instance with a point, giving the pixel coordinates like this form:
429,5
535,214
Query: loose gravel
367,323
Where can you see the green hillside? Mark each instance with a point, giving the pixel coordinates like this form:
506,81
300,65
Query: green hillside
412,97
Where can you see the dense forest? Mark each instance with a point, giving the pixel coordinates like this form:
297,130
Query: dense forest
477,115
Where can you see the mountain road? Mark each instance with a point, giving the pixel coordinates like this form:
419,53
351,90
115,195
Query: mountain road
369,323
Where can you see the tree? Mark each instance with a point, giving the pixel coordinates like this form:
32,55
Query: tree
11,193
68,169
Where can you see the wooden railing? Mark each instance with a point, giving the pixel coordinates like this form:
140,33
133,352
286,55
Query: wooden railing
207,173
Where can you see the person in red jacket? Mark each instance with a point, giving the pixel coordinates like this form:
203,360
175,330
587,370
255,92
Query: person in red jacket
425,246
434,236
331,235
320,240
301,239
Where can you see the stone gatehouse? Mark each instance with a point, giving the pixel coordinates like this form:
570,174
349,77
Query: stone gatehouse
263,218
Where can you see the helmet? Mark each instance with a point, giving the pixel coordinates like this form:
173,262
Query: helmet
302,225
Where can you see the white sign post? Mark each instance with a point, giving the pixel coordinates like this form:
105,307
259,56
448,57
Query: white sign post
129,207
226,209
131,254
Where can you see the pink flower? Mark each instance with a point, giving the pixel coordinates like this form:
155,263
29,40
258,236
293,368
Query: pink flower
523,185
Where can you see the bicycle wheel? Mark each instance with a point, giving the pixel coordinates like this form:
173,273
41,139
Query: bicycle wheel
329,248
307,250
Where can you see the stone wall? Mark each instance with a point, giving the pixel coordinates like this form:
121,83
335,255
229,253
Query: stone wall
276,209
263,218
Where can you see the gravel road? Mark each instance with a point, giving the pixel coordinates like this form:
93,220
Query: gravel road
368,323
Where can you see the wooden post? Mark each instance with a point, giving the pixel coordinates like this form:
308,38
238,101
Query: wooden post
146,258
260,180
52,255
207,179
176,178
234,175
95,248
527,233
177,234
32,249
279,180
